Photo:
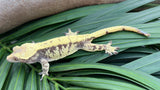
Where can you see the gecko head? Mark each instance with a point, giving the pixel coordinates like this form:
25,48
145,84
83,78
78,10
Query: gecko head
22,53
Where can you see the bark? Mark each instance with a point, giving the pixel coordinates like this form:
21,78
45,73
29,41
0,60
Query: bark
17,12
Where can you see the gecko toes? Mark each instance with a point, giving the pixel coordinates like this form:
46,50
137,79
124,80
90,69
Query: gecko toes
117,48
111,50
40,73
71,33
43,74
111,53
42,77
115,52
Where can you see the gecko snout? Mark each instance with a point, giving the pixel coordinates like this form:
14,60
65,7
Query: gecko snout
11,58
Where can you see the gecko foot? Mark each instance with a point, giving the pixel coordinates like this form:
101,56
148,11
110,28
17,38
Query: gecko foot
111,50
71,33
43,74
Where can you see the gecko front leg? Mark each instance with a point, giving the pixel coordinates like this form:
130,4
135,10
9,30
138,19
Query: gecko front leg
88,46
45,67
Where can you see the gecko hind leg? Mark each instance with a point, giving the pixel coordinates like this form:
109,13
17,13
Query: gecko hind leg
99,47
45,68
71,33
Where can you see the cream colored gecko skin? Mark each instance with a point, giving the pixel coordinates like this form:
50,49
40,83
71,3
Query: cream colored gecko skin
60,47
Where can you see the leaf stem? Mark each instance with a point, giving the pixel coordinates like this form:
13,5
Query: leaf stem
5,47
31,66
49,78
52,80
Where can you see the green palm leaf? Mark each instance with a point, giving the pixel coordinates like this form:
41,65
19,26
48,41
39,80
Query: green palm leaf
130,69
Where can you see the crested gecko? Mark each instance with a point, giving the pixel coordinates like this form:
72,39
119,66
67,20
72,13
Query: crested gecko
60,47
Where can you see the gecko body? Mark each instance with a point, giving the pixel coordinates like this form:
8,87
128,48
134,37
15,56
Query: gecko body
60,47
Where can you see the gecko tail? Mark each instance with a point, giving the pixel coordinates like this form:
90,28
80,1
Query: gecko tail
116,29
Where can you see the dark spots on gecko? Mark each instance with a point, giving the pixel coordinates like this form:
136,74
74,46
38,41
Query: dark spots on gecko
94,47
100,48
46,52
90,39
61,46
107,32
123,29
52,48
69,46
60,49
42,52
79,44
65,45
